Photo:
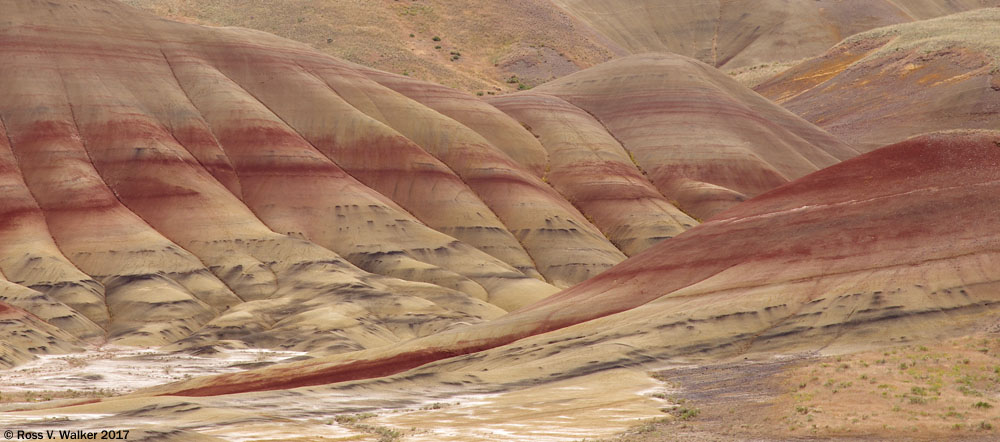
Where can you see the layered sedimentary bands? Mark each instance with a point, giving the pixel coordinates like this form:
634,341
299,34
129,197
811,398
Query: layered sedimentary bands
704,141
203,189
165,183
847,257
891,83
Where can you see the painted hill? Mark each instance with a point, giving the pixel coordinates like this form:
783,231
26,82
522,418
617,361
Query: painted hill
891,83
480,43
167,183
705,142
842,259
736,33
233,199
535,41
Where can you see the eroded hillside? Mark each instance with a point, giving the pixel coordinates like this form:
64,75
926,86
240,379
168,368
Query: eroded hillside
807,269
891,83
491,47
359,254
172,183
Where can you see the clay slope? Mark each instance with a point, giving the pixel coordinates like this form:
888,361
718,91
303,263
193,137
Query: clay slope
166,183
173,183
481,43
735,33
24,334
538,40
848,257
891,83
704,141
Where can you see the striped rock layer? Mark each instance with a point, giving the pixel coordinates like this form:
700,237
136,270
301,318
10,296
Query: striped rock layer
172,184
847,257
703,141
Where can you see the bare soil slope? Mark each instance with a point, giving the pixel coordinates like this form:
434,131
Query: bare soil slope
211,189
491,46
479,44
168,183
842,259
891,83
703,140
730,34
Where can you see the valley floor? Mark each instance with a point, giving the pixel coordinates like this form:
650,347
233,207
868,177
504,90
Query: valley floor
944,391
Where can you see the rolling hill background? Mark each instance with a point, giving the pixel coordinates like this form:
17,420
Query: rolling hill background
535,41
548,264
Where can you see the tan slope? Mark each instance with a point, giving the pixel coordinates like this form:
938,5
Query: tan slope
925,9
26,335
703,140
30,255
158,191
178,184
582,156
511,190
891,83
531,39
731,34
592,169
500,130
845,258
484,44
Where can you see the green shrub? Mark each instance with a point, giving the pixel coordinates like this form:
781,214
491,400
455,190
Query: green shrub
688,413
